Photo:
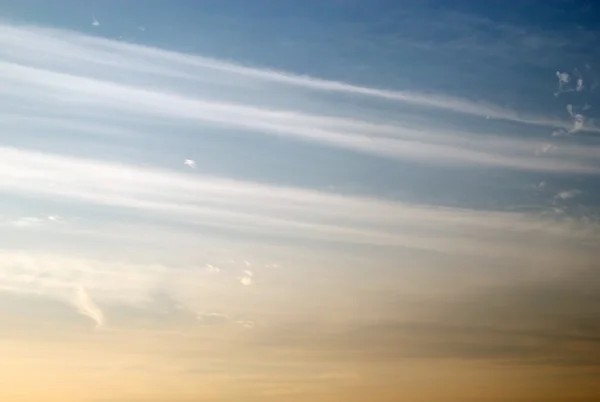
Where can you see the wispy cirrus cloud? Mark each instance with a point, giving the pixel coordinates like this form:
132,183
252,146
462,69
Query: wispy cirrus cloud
63,71
239,205
69,46
86,306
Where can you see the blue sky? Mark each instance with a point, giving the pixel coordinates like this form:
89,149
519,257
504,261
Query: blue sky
350,189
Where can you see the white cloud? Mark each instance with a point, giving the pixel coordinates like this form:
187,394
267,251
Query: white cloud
212,269
248,207
62,40
570,109
563,79
578,123
190,163
246,280
27,222
211,318
95,22
421,145
567,194
248,324
86,306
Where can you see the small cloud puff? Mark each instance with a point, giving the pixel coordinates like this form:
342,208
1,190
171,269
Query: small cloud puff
246,280
212,269
578,123
190,163
563,78
95,22
568,194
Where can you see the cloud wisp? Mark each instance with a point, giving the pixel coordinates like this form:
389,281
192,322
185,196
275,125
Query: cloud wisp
240,205
87,307
55,71
63,43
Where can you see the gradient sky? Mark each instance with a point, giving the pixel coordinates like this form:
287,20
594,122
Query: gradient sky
275,200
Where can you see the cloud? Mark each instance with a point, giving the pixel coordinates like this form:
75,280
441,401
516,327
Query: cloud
246,280
437,149
190,163
70,278
248,324
27,222
211,319
34,221
63,40
212,269
545,148
563,79
256,207
86,306
567,194
578,123
95,22
188,82
546,322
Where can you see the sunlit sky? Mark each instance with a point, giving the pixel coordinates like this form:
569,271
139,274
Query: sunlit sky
299,201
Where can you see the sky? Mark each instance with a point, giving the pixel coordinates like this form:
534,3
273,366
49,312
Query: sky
299,201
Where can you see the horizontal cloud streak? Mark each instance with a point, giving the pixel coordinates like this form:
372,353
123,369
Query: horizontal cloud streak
274,209
72,47
128,89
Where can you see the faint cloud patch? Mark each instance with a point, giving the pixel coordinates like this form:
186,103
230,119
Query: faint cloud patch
211,318
211,269
246,280
567,195
87,307
33,221
27,222
563,80
247,324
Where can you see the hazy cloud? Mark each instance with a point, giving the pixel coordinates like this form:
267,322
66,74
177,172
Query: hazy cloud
87,307
211,318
